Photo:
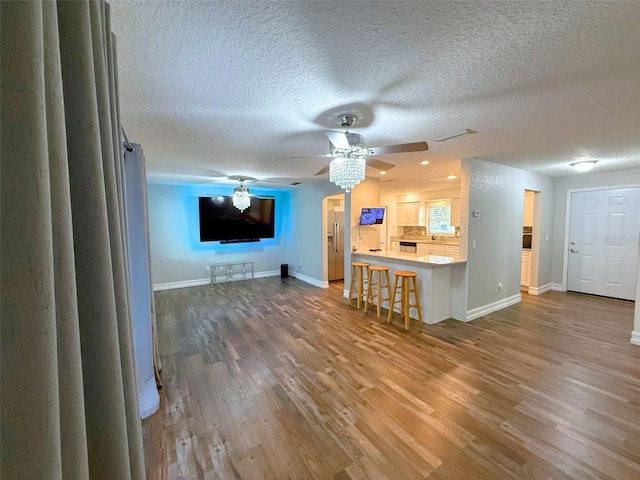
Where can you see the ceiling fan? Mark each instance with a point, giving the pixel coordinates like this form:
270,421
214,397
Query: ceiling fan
350,154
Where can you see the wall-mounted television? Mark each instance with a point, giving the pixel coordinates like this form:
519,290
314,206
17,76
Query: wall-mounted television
372,216
221,221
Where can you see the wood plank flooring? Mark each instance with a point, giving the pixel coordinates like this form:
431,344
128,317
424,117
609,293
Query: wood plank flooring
282,380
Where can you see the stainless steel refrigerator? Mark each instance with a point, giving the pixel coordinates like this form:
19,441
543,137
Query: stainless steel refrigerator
335,244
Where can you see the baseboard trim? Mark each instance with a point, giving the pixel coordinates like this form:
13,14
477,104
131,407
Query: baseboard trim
557,287
492,307
635,338
268,273
183,284
205,281
312,281
540,290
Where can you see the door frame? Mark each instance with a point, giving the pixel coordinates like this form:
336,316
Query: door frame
325,216
567,218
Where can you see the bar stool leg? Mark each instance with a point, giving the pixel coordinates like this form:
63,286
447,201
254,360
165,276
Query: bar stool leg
380,287
352,282
360,280
392,299
417,298
405,302
369,289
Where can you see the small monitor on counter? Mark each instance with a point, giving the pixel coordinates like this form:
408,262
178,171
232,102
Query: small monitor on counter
372,216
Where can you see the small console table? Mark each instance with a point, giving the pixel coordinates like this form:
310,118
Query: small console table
228,271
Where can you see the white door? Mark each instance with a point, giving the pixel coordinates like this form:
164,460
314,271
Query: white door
603,242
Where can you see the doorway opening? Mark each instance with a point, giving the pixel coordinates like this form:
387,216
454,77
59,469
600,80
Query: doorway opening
528,252
334,232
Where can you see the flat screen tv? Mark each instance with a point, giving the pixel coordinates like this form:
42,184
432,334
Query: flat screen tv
372,216
221,221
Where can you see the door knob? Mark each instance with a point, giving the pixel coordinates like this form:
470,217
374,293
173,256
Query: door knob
573,250
572,243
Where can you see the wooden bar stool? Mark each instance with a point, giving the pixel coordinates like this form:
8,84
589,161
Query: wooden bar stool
408,284
358,279
375,286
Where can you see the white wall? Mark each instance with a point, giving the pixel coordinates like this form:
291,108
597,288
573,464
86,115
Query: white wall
453,192
178,258
497,192
308,232
391,228
366,194
635,335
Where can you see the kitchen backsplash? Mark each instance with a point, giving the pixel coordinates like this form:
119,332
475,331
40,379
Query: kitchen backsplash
414,231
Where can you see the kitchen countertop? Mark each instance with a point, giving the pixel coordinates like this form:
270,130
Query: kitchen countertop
427,239
412,257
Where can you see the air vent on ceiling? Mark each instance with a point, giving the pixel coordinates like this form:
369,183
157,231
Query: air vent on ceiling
450,136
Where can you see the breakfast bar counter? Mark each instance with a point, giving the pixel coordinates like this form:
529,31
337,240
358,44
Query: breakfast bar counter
441,281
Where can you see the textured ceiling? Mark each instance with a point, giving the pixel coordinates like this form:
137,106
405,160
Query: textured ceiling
213,89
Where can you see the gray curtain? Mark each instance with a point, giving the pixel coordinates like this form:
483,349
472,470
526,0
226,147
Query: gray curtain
68,396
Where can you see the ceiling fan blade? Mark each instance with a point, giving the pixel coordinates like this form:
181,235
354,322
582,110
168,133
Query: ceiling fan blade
379,164
401,148
298,156
338,139
323,171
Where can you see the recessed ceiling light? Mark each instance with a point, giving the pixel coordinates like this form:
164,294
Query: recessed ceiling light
382,172
584,166
449,136
424,162
452,177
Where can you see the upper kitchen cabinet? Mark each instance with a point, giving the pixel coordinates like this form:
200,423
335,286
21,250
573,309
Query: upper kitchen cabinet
527,221
455,212
408,214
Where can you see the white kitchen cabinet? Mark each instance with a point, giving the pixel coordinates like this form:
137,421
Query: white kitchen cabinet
423,248
408,214
527,221
525,271
395,246
437,249
455,212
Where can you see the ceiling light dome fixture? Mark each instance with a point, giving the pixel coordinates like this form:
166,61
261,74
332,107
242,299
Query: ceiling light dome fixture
241,197
585,165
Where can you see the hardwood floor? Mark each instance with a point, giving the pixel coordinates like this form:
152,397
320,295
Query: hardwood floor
279,379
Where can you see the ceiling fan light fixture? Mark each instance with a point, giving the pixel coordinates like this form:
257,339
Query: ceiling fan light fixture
347,171
449,136
585,165
241,197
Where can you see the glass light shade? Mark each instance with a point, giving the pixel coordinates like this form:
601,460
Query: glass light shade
348,171
584,166
241,198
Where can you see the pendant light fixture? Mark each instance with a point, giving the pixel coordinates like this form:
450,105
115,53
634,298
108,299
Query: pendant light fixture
241,196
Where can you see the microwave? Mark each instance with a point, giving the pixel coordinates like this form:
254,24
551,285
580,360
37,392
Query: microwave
527,234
